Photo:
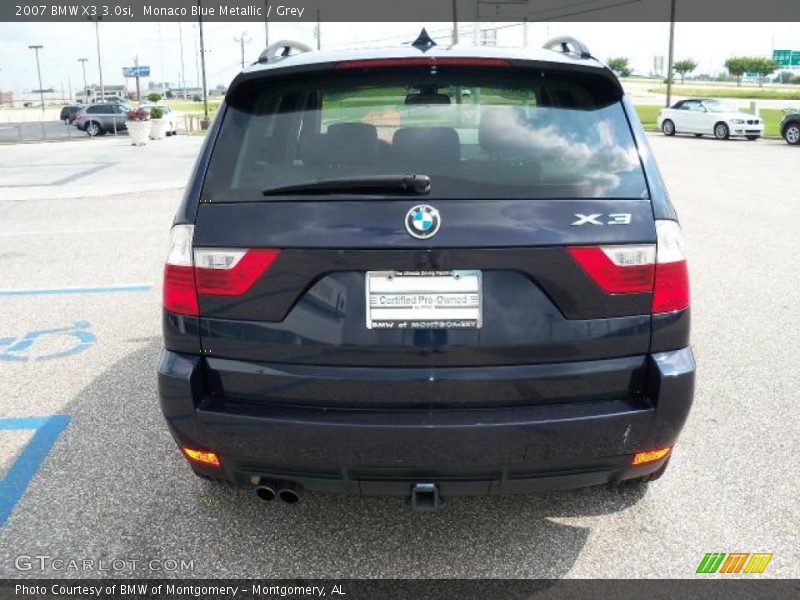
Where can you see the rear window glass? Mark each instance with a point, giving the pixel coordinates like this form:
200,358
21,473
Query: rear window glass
477,133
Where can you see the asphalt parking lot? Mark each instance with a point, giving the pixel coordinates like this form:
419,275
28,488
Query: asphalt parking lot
40,130
80,263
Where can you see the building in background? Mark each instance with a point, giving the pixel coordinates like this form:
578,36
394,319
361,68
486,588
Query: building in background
92,93
7,99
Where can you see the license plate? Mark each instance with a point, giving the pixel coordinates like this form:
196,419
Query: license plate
424,299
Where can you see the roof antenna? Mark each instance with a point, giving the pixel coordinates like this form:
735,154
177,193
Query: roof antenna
423,41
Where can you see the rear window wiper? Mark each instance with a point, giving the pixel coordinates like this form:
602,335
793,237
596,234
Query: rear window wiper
368,184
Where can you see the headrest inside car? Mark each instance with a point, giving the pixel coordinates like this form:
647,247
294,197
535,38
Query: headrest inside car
352,143
427,145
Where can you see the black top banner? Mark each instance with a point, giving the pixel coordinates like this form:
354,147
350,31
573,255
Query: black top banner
400,10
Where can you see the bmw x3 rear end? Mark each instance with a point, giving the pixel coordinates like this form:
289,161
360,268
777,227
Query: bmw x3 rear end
424,272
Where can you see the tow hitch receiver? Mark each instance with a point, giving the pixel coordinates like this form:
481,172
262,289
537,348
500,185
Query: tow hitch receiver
425,497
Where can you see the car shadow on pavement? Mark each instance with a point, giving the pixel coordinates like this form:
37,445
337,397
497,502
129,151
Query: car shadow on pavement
115,486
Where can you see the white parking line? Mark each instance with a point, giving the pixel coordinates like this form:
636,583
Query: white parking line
82,231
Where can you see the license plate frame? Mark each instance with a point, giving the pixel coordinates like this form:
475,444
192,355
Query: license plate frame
422,300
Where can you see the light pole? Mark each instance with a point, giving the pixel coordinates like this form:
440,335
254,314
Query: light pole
671,50
183,66
36,49
244,39
266,24
319,32
161,59
96,21
203,65
454,36
83,68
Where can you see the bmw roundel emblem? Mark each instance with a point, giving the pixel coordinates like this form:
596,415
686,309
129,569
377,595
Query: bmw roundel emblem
422,221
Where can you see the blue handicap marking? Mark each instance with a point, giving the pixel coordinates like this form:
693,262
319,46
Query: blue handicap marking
24,348
22,470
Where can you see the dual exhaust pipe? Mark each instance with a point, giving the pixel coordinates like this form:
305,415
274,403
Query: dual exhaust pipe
287,492
424,497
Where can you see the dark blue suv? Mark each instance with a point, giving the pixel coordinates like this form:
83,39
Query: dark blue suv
426,271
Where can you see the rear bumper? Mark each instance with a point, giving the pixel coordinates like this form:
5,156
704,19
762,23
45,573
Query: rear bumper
518,449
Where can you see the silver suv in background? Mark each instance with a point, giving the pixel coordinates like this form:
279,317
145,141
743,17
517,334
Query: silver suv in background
99,119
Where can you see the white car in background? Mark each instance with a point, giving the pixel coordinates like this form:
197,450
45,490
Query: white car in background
169,116
709,117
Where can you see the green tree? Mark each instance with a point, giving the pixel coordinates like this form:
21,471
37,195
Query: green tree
683,67
737,66
154,96
763,67
620,66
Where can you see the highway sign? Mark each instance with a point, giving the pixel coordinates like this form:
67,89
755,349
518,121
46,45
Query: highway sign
786,58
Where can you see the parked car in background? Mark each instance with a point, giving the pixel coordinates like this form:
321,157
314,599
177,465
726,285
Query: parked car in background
99,119
790,127
169,117
68,113
709,117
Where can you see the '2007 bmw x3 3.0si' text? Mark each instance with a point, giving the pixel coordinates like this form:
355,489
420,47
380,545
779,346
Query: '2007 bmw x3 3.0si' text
426,271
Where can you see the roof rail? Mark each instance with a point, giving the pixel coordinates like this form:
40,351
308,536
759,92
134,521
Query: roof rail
282,49
568,45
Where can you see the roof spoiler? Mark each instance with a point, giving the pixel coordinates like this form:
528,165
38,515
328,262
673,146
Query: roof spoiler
568,45
282,49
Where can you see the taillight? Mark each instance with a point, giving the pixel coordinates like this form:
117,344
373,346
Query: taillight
208,271
671,290
637,269
180,295
224,272
618,269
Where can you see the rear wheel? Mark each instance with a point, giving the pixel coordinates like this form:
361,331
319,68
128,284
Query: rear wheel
721,131
93,129
668,127
792,134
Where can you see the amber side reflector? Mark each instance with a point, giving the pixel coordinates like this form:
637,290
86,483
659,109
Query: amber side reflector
648,456
204,457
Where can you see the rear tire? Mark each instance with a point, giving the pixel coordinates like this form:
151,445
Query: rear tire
792,134
668,127
93,129
721,131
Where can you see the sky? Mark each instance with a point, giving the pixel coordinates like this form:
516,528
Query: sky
158,45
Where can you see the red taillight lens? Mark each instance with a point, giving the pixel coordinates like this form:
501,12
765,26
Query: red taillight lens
208,271
671,289
180,295
230,272
660,269
179,290
426,61
618,269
